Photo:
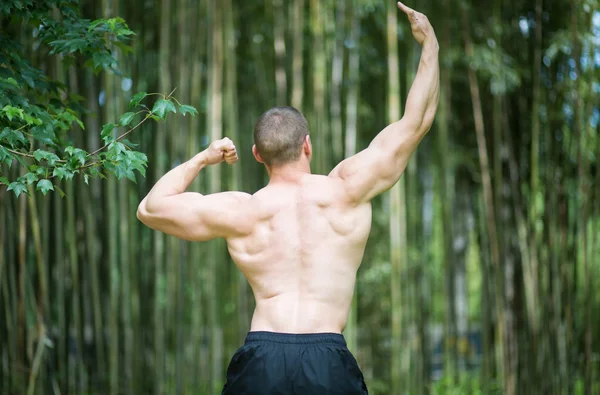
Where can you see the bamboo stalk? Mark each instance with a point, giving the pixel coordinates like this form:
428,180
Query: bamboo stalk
351,330
22,278
196,249
397,202
280,51
215,119
337,74
298,59
319,83
489,205
232,125
37,361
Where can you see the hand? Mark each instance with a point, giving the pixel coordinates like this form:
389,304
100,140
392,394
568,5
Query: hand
219,151
421,28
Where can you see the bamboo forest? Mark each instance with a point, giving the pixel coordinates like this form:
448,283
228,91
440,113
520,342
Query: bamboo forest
481,274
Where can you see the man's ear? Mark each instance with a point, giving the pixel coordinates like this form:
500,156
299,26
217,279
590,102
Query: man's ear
256,154
307,146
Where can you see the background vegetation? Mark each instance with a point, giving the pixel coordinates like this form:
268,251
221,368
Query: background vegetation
482,269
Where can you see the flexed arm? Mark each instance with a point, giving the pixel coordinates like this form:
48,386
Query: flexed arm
377,168
189,215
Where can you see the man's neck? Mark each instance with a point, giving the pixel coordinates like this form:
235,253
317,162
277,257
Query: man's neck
290,172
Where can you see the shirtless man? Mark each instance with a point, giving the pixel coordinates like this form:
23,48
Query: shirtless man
300,240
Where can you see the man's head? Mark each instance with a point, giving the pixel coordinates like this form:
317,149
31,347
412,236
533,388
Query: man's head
281,137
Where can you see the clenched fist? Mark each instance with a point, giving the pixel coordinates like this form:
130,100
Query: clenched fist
219,151
419,24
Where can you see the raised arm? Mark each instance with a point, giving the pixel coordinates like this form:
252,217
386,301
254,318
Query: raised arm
377,168
192,216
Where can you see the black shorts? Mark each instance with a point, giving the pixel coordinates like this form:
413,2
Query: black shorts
294,364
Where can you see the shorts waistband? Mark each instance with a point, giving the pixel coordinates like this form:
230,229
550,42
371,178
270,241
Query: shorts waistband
296,338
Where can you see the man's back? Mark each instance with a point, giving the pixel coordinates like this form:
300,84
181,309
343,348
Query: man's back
301,255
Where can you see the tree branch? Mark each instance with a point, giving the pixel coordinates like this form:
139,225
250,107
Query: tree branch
19,153
121,137
29,155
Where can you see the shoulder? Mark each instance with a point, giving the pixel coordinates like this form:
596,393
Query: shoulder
330,189
236,197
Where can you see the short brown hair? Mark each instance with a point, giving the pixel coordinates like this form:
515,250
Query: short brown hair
279,135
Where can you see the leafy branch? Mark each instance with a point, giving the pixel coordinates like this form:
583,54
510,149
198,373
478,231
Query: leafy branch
114,157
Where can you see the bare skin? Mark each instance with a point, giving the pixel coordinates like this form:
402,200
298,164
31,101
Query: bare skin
300,240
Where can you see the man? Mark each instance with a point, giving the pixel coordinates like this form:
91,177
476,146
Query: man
300,240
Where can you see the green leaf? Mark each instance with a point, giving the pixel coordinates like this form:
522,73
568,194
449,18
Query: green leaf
136,99
116,148
4,180
44,134
49,157
77,153
30,178
130,175
162,107
62,172
129,143
12,81
126,118
138,161
86,179
184,109
44,186
157,119
13,137
17,187
107,130
5,156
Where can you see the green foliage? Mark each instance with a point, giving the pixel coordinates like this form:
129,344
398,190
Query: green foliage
496,65
136,99
185,109
162,107
36,111
468,384
44,186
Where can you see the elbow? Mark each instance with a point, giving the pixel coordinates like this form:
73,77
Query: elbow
142,213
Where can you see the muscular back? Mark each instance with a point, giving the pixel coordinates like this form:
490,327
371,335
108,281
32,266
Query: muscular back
300,240
302,254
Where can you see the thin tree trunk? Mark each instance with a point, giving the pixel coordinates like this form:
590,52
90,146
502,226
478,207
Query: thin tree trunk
159,238
215,120
350,145
337,73
508,378
319,84
298,58
446,163
522,240
195,257
231,103
91,194
279,43
22,270
42,296
397,208
460,244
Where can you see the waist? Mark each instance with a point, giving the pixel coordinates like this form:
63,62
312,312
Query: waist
296,338
292,315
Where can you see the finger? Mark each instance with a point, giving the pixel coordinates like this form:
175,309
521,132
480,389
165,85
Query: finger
228,148
407,10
